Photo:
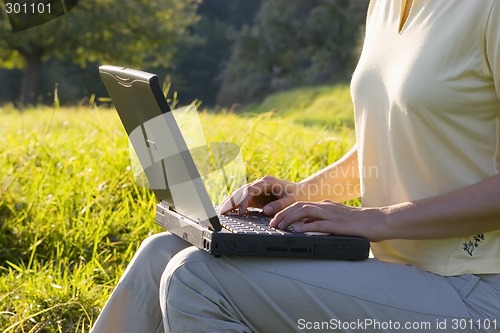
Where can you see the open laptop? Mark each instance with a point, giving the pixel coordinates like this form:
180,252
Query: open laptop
184,207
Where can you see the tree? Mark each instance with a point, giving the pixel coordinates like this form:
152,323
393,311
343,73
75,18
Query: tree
128,32
198,65
293,43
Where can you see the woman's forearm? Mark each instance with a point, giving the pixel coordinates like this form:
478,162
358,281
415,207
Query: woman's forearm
471,210
338,182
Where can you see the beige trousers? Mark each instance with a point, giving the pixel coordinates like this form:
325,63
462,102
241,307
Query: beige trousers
171,287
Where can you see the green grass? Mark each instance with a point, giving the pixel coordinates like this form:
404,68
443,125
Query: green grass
72,216
311,106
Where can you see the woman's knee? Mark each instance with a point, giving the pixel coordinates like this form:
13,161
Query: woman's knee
191,254
178,267
191,297
161,246
153,255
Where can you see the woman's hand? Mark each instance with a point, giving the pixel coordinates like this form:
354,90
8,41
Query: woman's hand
331,217
269,193
339,182
467,211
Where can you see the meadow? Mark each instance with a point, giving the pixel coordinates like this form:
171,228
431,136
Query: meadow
72,215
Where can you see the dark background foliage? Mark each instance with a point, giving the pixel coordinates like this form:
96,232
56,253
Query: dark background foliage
222,52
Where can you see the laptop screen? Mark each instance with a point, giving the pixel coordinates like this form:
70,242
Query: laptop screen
179,166
219,164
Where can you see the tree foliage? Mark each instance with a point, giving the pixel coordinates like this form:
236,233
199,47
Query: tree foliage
293,43
220,51
128,32
198,66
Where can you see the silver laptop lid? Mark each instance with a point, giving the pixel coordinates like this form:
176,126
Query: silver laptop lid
158,143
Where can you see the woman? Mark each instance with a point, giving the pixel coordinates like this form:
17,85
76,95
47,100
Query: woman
426,96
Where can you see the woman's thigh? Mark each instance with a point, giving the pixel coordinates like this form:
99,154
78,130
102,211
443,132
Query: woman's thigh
249,294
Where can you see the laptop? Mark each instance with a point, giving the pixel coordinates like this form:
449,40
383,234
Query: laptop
185,207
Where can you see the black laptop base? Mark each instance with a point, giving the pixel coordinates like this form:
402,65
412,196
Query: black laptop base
282,245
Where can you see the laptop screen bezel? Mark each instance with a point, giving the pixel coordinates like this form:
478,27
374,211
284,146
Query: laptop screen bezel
119,81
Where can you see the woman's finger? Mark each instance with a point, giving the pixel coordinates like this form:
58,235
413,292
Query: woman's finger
234,200
297,212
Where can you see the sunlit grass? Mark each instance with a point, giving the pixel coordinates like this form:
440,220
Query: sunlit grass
72,216
328,106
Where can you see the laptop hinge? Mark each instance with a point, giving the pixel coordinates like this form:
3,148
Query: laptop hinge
163,206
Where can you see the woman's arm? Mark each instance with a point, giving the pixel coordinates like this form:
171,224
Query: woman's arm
337,182
471,210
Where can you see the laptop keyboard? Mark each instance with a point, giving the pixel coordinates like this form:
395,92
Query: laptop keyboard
252,223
